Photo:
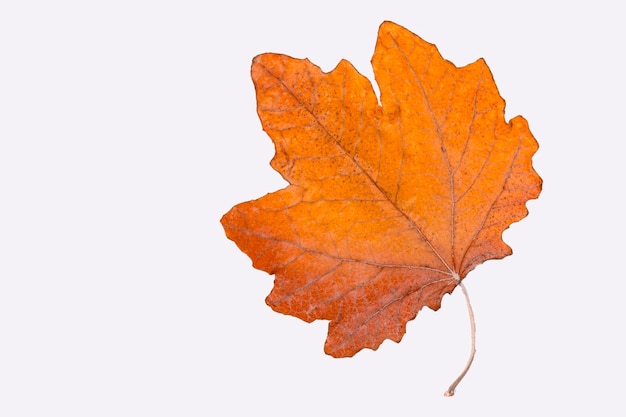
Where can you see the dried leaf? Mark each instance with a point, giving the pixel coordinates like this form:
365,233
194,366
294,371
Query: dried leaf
389,206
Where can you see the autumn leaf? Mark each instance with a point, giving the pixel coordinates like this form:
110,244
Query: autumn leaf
389,206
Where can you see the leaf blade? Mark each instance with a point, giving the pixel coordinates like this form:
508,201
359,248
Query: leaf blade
389,205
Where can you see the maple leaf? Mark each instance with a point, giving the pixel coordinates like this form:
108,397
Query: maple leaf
389,206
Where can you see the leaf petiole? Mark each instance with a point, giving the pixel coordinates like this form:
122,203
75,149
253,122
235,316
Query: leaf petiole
450,391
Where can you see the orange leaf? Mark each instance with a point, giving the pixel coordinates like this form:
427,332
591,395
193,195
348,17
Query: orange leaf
389,206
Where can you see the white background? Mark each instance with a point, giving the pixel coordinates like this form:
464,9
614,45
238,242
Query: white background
128,128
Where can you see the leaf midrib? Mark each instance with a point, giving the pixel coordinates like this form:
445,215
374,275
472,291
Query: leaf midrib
356,163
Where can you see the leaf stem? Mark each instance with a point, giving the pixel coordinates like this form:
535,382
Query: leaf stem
450,391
